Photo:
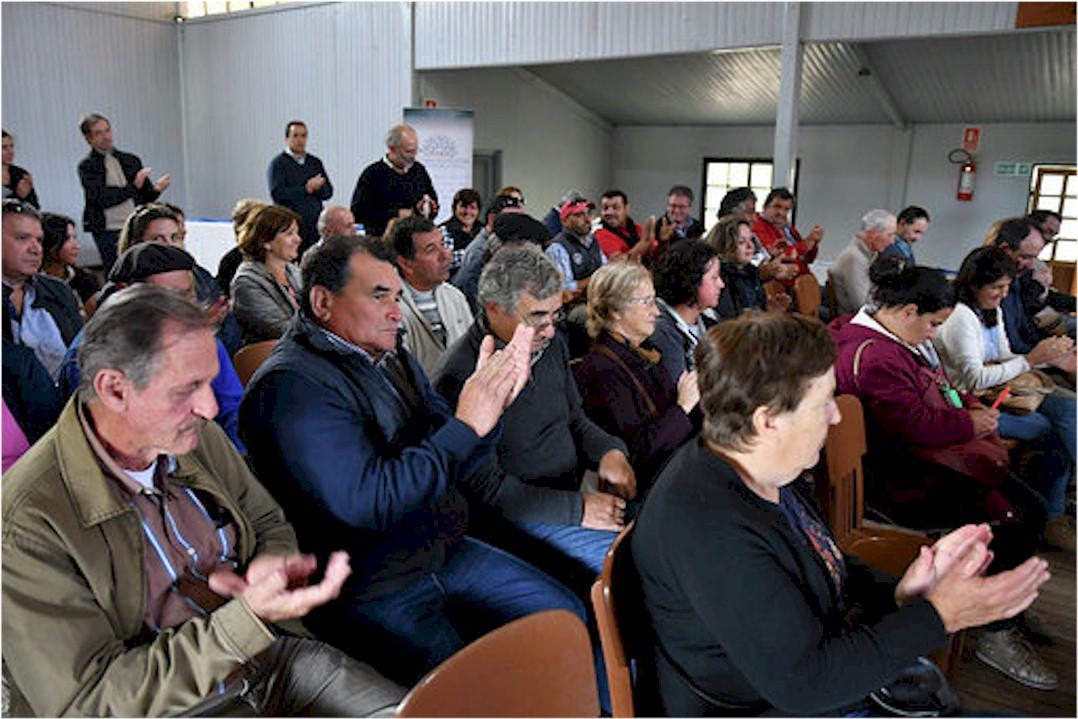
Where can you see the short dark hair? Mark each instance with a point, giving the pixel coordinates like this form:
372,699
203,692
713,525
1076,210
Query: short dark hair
54,228
288,127
758,359
895,284
403,238
125,333
326,264
734,201
680,269
1013,231
913,213
6,133
467,196
1037,217
780,193
261,227
136,223
610,194
683,190
982,266
90,120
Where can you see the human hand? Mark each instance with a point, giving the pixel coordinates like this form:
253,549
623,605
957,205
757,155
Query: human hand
404,212
814,237
162,184
963,598
1049,350
140,177
274,587
688,391
933,562
24,187
603,511
648,230
617,474
779,302
219,310
496,381
315,183
985,420
1043,274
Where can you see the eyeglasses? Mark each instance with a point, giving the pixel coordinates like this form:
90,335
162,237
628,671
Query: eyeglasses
648,301
542,320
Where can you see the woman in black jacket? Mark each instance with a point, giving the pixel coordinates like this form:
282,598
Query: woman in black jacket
731,237
748,594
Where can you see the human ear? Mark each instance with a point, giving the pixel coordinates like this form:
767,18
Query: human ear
321,302
112,389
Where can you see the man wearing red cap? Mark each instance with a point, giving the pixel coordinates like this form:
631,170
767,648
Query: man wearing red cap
574,250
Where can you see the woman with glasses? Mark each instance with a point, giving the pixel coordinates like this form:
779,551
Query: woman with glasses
622,383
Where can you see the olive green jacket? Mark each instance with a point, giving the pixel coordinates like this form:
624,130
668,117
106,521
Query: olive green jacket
74,584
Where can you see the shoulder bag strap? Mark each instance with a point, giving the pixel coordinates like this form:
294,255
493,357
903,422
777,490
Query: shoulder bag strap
652,409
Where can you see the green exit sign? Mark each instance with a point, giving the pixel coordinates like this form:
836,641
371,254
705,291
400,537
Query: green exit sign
1006,169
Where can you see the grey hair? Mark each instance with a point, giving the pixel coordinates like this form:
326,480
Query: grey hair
517,269
326,214
875,220
125,334
393,137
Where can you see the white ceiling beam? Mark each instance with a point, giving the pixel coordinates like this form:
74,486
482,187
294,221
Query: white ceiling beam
786,117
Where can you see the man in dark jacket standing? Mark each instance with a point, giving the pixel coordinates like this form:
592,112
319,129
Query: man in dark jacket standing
114,183
395,185
298,181
345,430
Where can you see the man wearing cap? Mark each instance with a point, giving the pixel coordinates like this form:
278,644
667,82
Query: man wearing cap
298,181
552,219
146,572
574,250
172,268
394,186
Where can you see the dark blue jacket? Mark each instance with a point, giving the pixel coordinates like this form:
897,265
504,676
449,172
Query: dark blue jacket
353,467
34,400
1022,333
100,196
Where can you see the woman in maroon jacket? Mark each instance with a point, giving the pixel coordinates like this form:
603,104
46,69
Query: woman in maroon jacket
921,431
623,385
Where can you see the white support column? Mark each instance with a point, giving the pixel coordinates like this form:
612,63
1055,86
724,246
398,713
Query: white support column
786,118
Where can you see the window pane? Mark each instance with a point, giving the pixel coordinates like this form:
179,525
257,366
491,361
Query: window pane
761,177
1066,250
1045,202
739,174
1069,229
717,173
1052,184
1070,207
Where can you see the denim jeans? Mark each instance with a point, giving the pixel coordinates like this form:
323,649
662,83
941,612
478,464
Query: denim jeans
406,634
1051,429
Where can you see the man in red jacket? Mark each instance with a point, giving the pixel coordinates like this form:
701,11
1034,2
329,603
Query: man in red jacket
782,239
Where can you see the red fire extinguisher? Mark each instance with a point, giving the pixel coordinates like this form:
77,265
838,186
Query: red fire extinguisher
966,174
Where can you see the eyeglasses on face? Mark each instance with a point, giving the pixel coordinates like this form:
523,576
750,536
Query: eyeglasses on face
648,301
542,320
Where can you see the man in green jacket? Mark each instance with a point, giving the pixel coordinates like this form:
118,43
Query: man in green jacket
145,570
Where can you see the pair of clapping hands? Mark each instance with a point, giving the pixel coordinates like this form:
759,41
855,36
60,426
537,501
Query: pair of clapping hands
950,575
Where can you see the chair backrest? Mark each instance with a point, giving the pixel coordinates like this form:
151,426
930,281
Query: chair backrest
619,611
832,297
844,449
772,288
807,295
250,357
538,666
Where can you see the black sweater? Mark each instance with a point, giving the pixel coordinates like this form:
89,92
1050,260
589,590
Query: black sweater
744,608
381,191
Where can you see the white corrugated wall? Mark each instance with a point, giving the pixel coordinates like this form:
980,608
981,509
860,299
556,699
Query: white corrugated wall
343,68
472,34
60,63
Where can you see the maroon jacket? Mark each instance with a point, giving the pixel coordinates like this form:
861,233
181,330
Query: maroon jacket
614,402
891,383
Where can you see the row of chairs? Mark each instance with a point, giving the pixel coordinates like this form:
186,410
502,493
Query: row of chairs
806,299
541,665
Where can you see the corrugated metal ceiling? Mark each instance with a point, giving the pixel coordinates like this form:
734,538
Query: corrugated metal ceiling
1017,77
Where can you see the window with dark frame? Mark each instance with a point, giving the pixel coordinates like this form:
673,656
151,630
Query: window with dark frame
722,174
1055,188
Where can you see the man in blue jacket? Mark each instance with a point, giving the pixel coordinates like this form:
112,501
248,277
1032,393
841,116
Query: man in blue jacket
298,181
344,429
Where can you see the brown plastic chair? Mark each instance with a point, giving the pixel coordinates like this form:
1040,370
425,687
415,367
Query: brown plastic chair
772,288
832,298
538,666
887,549
618,606
807,296
250,357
